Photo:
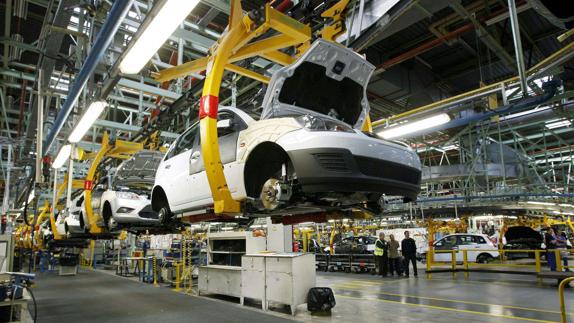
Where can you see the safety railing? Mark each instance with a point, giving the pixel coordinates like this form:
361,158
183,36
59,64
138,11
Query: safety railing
561,287
467,260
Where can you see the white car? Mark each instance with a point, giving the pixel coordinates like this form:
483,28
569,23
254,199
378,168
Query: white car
73,217
307,152
479,248
127,198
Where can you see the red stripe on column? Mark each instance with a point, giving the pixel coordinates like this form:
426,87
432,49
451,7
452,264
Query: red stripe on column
208,106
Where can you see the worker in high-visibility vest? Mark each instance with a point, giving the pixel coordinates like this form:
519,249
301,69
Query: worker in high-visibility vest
382,255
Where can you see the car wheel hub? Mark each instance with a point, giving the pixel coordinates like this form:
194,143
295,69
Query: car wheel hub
271,194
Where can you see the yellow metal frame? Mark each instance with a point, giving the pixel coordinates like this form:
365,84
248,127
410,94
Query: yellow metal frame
561,297
118,149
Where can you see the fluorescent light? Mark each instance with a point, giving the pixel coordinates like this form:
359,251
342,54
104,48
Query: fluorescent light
541,203
557,123
88,119
168,18
450,147
62,157
410,127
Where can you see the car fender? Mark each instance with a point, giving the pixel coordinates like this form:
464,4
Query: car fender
269,130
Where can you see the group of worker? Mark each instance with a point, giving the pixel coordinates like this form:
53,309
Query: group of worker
388,259
556,241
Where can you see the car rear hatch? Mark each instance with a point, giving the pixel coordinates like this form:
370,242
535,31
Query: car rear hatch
328,80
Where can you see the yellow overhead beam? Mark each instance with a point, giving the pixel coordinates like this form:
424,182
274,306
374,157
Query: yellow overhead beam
184,69
261,47
278,57
292,33
249,73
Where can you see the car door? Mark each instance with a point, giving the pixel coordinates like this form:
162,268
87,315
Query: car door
228,127
175,169
466,242
442,246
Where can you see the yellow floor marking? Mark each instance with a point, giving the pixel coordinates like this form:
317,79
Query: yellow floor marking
491,281
357,284
451,309
468,302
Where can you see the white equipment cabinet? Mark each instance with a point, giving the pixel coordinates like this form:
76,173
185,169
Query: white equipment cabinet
222,275
278,277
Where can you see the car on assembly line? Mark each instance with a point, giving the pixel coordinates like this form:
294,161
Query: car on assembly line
353,245
522,238
72,220
306,153
479,248
125,199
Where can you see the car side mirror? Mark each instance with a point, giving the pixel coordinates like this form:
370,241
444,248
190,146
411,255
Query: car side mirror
99,187
224,124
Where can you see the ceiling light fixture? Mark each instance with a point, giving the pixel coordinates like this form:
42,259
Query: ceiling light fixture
87,120
414,126
62,157
165,22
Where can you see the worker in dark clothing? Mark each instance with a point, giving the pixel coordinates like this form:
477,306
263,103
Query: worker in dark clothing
409,250
382,255
550,240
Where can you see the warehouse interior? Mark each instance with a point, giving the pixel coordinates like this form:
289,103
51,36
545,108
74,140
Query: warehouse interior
286,160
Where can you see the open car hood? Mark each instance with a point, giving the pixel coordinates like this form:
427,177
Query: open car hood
328,80
522,233
140,168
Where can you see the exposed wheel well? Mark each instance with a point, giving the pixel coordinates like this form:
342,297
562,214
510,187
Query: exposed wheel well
158,199
81,219
264,161
107,211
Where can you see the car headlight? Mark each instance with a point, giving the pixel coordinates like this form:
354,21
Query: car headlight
124,209
314,123
128,196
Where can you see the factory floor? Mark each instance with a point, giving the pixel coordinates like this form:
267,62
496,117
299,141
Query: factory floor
93,296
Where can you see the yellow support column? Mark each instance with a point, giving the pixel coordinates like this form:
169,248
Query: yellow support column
538,264
155,272
92,218
208,107
558,260
177,276
465,263
453,262
429,263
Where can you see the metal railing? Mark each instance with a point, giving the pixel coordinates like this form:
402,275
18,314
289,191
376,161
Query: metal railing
501,260
561,287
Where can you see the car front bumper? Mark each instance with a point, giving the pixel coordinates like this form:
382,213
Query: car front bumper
141,212
339,170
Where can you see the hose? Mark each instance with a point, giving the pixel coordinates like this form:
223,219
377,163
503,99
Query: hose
35,304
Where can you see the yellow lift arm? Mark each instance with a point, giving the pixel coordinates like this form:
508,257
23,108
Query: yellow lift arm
118,149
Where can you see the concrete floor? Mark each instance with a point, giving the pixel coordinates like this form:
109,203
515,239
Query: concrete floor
93,296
